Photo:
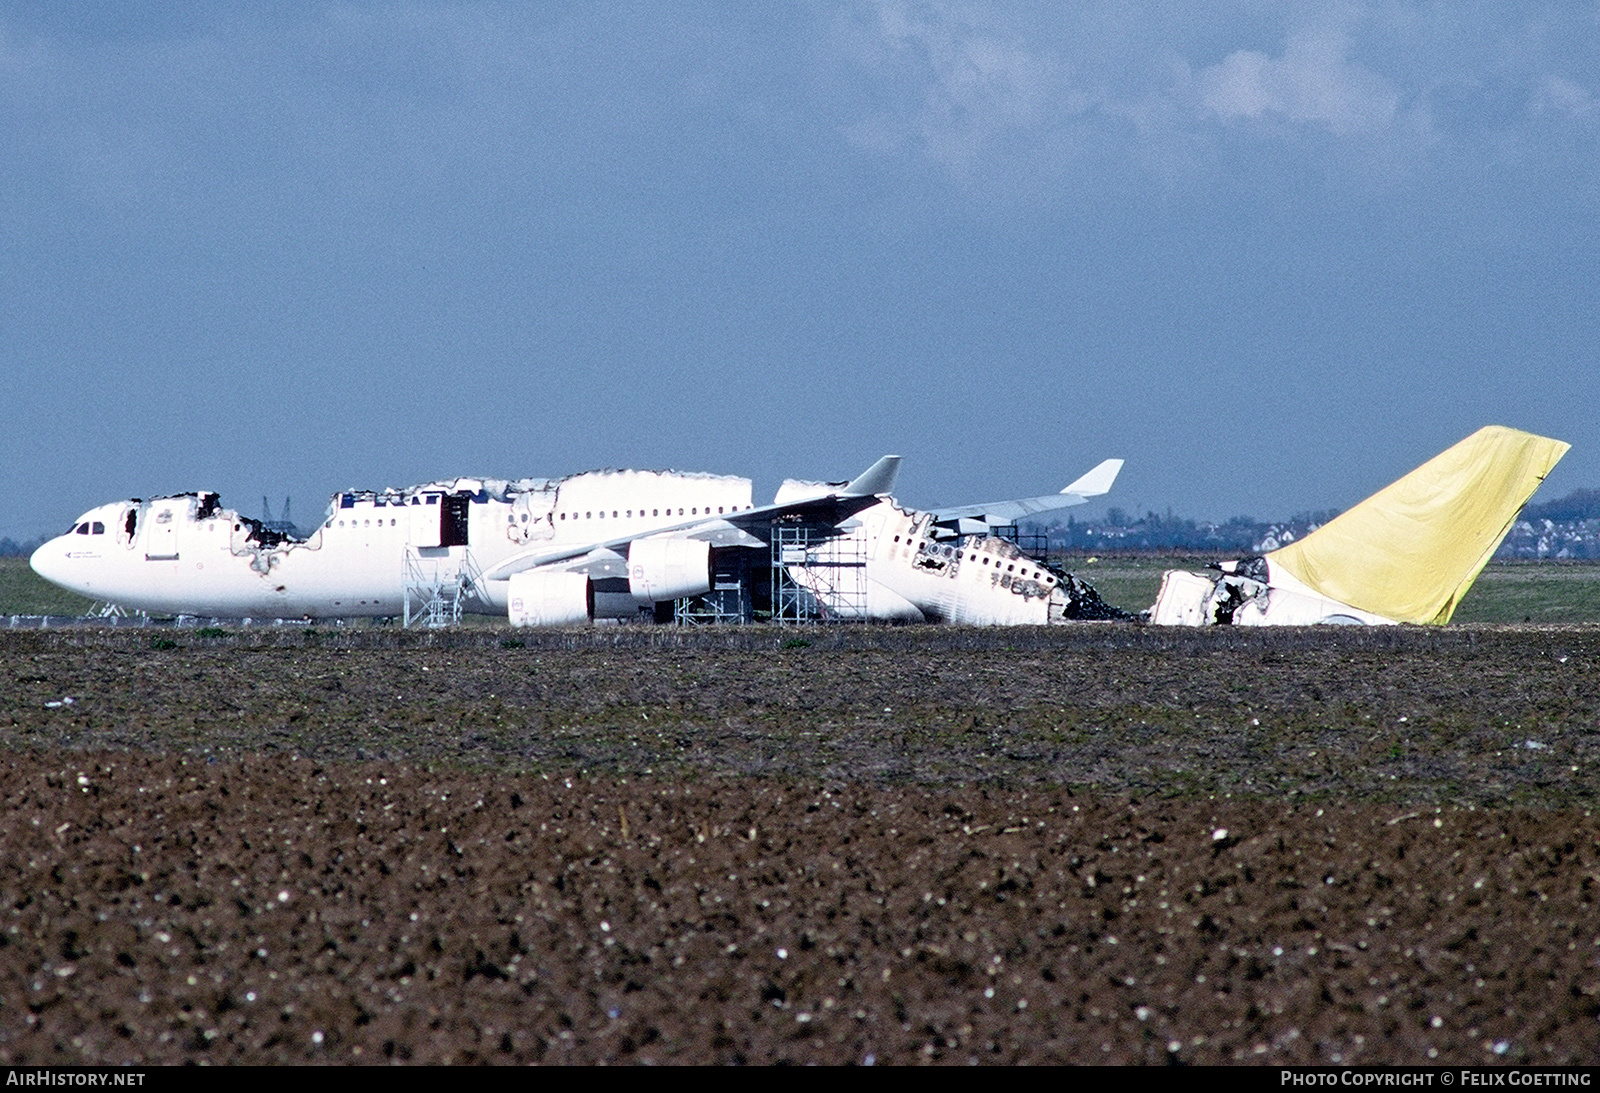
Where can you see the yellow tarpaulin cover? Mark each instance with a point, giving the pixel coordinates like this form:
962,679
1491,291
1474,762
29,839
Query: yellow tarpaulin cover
1410,551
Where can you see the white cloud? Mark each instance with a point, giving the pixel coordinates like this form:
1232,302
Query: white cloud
1027,101
1557,95
1377,92
959,79
1313,82
1021,103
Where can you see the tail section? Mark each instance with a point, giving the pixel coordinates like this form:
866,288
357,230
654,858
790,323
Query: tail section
1411,551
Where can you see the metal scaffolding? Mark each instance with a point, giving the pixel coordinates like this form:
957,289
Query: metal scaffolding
1034,544
835,570
729,600
433,596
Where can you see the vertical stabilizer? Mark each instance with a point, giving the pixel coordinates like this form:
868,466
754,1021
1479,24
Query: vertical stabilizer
1411,551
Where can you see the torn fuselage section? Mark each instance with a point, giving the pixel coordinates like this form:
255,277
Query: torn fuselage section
1408,553
913,571
165,529
1250,592
192,528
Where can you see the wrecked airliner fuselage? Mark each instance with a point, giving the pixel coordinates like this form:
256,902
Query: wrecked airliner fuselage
185,554
603,544
916,574
1408,553
1249,593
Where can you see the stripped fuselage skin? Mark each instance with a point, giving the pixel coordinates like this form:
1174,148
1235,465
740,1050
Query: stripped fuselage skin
913,574
186,554
1250,593
603,544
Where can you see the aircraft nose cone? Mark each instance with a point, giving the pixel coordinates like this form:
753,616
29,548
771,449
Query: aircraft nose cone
50,562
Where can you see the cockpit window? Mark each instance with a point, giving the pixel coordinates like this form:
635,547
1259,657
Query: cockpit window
98,529
83,528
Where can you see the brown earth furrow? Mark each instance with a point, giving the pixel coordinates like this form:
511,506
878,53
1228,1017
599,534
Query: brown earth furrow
1101,844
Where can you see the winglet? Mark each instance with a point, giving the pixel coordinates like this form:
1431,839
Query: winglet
1097,481
876,479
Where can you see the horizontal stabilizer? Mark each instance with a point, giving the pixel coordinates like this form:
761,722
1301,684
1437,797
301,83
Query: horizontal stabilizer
1097,481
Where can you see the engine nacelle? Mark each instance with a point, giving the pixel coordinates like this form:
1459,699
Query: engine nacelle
539,598
668,569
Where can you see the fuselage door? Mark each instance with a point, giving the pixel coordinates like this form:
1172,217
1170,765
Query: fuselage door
425,520
161,530
453,517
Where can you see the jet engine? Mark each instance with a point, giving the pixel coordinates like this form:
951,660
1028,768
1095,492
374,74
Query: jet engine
668,569
541,598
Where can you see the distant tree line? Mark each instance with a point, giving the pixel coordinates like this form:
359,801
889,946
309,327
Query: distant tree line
10,548
1575,506
1157,533
1568,527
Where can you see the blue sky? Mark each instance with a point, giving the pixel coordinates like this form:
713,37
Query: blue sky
1273,254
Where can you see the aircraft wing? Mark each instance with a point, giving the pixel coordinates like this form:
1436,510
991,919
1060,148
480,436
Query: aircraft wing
995,513
750,528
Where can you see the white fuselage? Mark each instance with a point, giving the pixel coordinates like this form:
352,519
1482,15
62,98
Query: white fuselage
1190,599
187,555
601,544
889,565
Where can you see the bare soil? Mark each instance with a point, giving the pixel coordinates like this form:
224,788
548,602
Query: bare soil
1103,843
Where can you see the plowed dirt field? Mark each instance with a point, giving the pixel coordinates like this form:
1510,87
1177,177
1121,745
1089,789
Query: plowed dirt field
1103,843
